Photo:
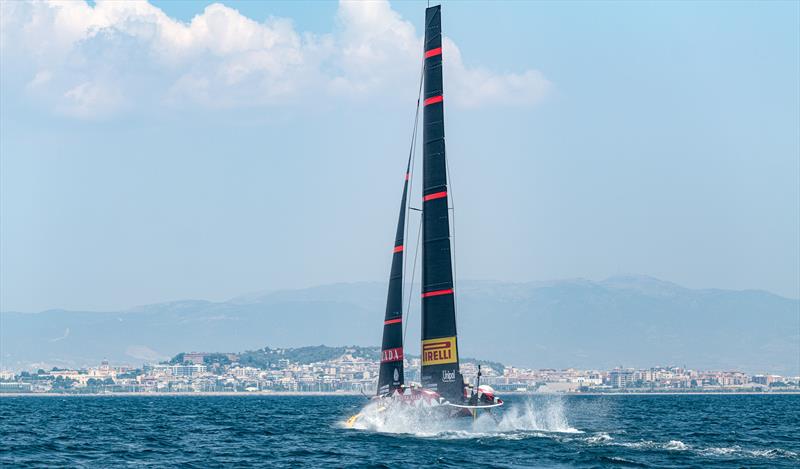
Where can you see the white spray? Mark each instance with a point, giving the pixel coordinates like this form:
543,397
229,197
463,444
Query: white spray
525,417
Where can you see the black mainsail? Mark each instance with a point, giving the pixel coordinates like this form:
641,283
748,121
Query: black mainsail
440,370
390,376
442,382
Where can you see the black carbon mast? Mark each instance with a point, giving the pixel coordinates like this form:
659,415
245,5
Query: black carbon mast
440,370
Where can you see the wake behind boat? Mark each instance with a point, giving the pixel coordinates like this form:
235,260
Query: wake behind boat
443,387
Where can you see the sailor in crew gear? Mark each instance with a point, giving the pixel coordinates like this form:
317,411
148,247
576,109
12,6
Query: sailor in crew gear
483,396
486,394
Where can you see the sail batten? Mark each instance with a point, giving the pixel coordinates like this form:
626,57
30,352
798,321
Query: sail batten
440,364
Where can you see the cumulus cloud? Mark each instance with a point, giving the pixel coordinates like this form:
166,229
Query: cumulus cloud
92,61
476,87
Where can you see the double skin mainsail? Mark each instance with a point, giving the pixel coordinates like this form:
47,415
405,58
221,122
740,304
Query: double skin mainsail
440,371
440,367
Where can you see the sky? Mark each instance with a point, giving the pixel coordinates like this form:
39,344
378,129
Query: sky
171,150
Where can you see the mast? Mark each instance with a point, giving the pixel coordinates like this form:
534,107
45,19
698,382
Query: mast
440,370
390,376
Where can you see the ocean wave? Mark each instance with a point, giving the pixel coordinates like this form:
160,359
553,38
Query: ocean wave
617,460
536,419
600,438
736,450
671,445
677,445
773,453
725,451
643,444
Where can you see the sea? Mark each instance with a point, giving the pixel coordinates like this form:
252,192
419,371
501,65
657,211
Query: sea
310,431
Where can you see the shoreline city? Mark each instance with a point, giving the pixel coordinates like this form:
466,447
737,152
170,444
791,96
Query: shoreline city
353,370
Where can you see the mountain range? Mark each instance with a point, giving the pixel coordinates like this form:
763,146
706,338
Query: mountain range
629,321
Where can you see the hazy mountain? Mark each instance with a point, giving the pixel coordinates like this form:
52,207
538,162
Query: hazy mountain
629,321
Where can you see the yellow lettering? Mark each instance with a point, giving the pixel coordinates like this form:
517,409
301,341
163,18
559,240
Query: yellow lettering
439,351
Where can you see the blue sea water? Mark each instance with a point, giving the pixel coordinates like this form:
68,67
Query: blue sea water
295,431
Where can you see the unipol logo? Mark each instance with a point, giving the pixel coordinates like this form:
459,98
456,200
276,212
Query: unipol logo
396,375
448,376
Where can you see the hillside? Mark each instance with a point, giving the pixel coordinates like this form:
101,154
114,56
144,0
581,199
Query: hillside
629,321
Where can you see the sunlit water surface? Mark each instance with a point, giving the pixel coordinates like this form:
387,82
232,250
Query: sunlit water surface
278,431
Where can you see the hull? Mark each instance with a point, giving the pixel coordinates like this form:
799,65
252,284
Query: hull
423,404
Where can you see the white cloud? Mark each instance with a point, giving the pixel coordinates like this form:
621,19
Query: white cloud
476,87
41,78
89,61
92,99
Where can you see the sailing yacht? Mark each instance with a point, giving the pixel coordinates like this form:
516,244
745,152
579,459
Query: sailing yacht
442,383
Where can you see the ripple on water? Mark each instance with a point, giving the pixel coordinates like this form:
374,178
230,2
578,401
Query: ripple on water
592,431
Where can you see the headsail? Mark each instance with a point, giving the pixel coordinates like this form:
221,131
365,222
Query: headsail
440,370
391,371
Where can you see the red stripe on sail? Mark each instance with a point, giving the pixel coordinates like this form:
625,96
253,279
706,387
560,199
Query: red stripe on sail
407,176
433,52
435,195
398,248
448,291
392,321
434,100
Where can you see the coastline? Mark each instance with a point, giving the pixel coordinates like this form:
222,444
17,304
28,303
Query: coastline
184,394
351,394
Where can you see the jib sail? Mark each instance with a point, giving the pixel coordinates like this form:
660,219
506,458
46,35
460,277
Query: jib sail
440,370
391,370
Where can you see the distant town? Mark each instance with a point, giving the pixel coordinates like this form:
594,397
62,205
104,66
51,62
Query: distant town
351,370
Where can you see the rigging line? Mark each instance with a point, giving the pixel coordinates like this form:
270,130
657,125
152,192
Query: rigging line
411,285
452,210
412,152
410,186
409,208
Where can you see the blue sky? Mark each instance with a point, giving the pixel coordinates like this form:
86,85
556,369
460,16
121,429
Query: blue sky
152,152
